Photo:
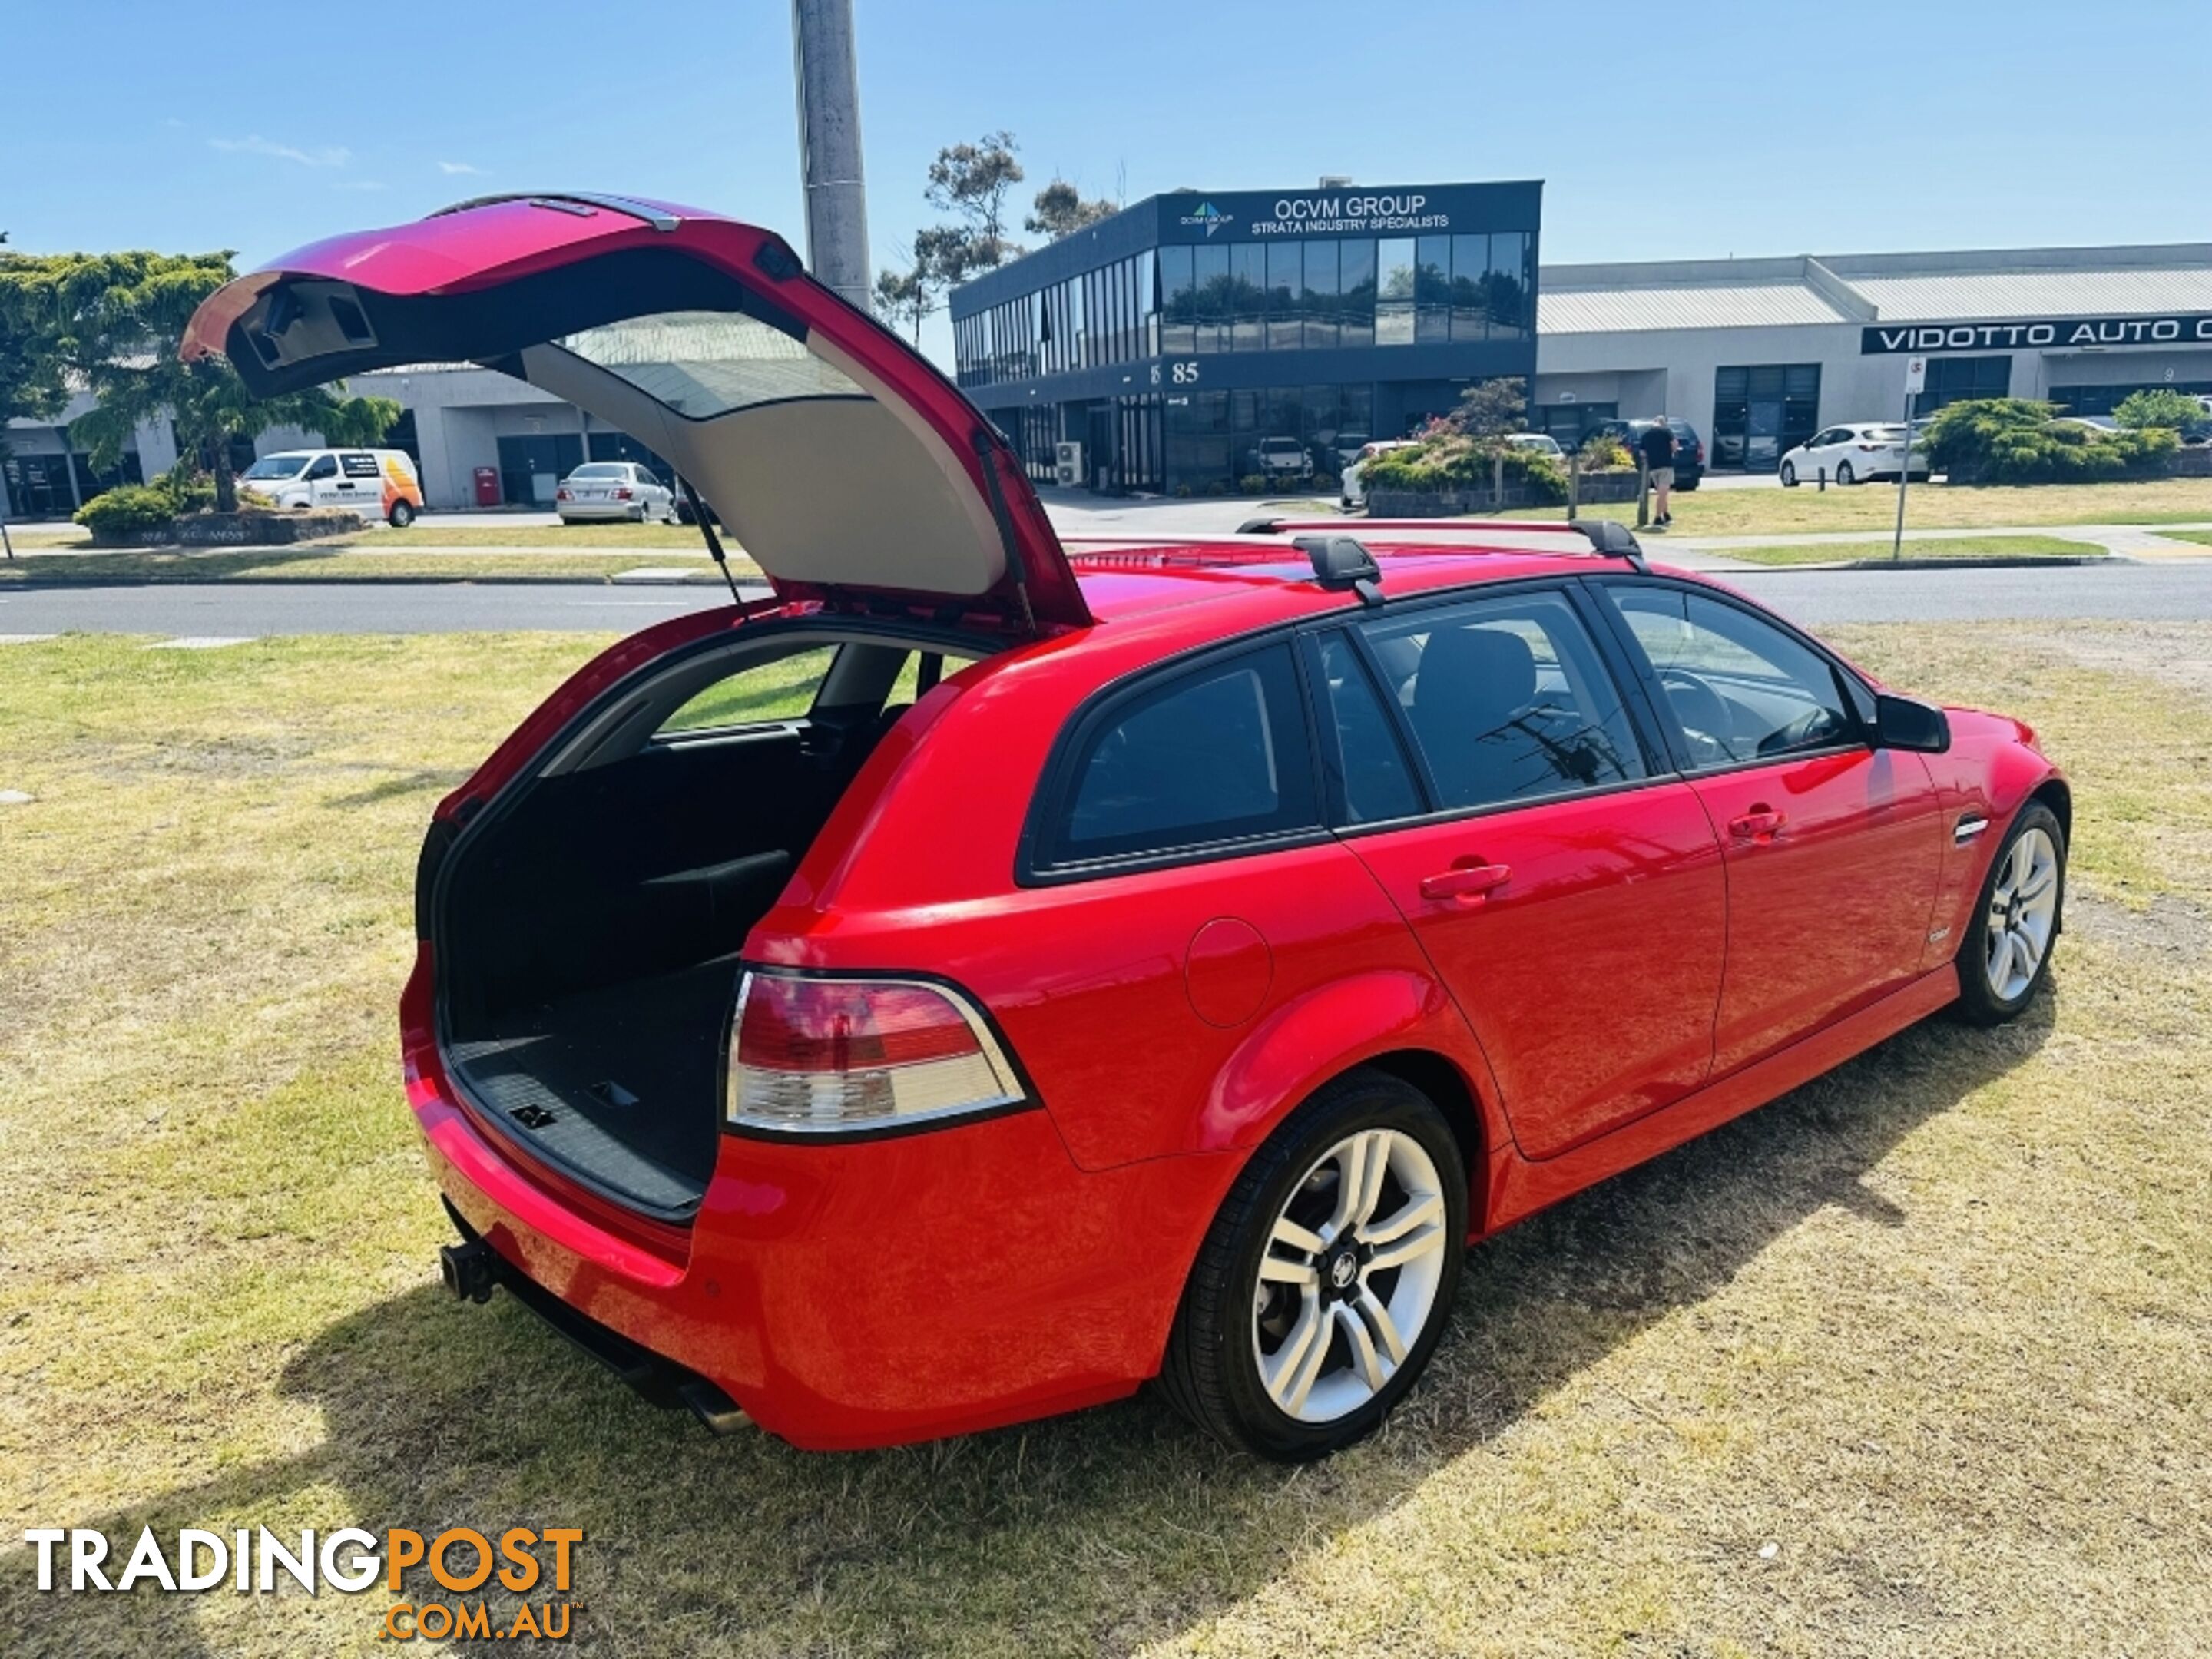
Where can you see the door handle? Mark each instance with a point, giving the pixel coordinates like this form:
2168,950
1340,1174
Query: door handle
1761,823
1466,881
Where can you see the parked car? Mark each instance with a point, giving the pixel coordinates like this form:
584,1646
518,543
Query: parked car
599,490
377,484
975,979
1690,448
1277,458
1347,447
1542,442
1857,452
1354,493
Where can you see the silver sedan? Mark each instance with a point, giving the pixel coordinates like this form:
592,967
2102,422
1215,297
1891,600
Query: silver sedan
599,490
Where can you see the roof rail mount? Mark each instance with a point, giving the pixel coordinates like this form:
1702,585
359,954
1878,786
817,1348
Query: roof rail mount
1340,561
1613,539
1258,527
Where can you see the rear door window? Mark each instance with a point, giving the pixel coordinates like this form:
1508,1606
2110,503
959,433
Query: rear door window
1215,755
1369,775
1507,699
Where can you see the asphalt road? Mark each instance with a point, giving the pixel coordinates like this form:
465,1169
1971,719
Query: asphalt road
2151,593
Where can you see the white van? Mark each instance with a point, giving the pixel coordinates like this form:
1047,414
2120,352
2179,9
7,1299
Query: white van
377,484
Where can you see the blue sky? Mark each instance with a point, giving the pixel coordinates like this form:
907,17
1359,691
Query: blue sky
1679,130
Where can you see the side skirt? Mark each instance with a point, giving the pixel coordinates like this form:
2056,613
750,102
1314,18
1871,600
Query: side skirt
1519,1187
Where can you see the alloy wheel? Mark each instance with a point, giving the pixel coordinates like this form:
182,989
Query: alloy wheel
1349,1278
2023,907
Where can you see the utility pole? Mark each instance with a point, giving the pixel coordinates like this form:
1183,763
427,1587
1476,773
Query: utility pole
830,146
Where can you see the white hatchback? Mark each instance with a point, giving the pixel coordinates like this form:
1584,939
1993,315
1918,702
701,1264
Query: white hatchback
1850,454
599,490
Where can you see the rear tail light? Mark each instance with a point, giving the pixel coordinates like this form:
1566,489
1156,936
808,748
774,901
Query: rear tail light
622,495
559,494
823,1056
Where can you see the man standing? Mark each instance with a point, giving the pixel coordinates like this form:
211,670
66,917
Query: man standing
1657,445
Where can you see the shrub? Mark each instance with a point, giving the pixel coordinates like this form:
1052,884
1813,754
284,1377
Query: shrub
189,489
1604,451
1253,484
2014,441
126,511
2162,407
1451,462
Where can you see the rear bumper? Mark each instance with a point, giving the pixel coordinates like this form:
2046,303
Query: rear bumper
615,510
866,1293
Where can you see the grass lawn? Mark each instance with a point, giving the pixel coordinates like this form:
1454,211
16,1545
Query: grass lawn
1918,1361
2202,537
325,561
1959,547
1927,507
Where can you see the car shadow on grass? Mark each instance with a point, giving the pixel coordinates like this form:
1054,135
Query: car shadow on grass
1095,1532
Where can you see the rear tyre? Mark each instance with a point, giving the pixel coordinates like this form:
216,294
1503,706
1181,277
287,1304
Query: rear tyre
1323,1286
1689,486
401,516
1789,476
2005,957
1844,473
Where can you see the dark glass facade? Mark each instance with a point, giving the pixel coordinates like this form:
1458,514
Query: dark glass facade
1207,343
1761,409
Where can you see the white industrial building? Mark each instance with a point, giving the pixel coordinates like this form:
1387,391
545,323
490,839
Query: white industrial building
1757,353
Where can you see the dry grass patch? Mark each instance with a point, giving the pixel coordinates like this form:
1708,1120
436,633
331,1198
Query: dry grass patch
1935,1329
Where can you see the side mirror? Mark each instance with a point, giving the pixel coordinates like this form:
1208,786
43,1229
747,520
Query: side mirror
1908,723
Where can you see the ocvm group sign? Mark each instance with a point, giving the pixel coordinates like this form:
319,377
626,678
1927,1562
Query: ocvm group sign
2059,332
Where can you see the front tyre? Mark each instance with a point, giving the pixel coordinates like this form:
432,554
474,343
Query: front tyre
2006,955
1323,1286
1789,476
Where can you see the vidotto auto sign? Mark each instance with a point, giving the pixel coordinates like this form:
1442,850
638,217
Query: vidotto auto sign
2067,333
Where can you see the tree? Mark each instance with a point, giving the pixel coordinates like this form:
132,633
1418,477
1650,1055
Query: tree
973,181
1061,211
1490,409
113,323
905,296
2161,406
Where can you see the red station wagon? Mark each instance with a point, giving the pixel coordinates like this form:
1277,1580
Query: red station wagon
980,977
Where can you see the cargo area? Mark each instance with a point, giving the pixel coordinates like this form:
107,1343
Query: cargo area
588,931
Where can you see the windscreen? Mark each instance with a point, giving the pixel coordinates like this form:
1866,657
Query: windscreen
274,467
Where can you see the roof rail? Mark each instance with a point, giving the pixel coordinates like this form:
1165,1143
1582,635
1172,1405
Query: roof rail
1608,538
572,201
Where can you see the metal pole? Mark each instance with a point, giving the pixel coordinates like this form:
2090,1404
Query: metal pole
830,146
1904,477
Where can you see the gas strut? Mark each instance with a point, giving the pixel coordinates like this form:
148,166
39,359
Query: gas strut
714,542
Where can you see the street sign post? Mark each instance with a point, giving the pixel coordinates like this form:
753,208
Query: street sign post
1915,382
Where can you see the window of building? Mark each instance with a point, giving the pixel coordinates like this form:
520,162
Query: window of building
1215,755
1355,308
2105,399
1394,291
1761,411
1956,380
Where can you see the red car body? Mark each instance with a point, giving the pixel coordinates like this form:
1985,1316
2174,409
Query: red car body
1639,978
